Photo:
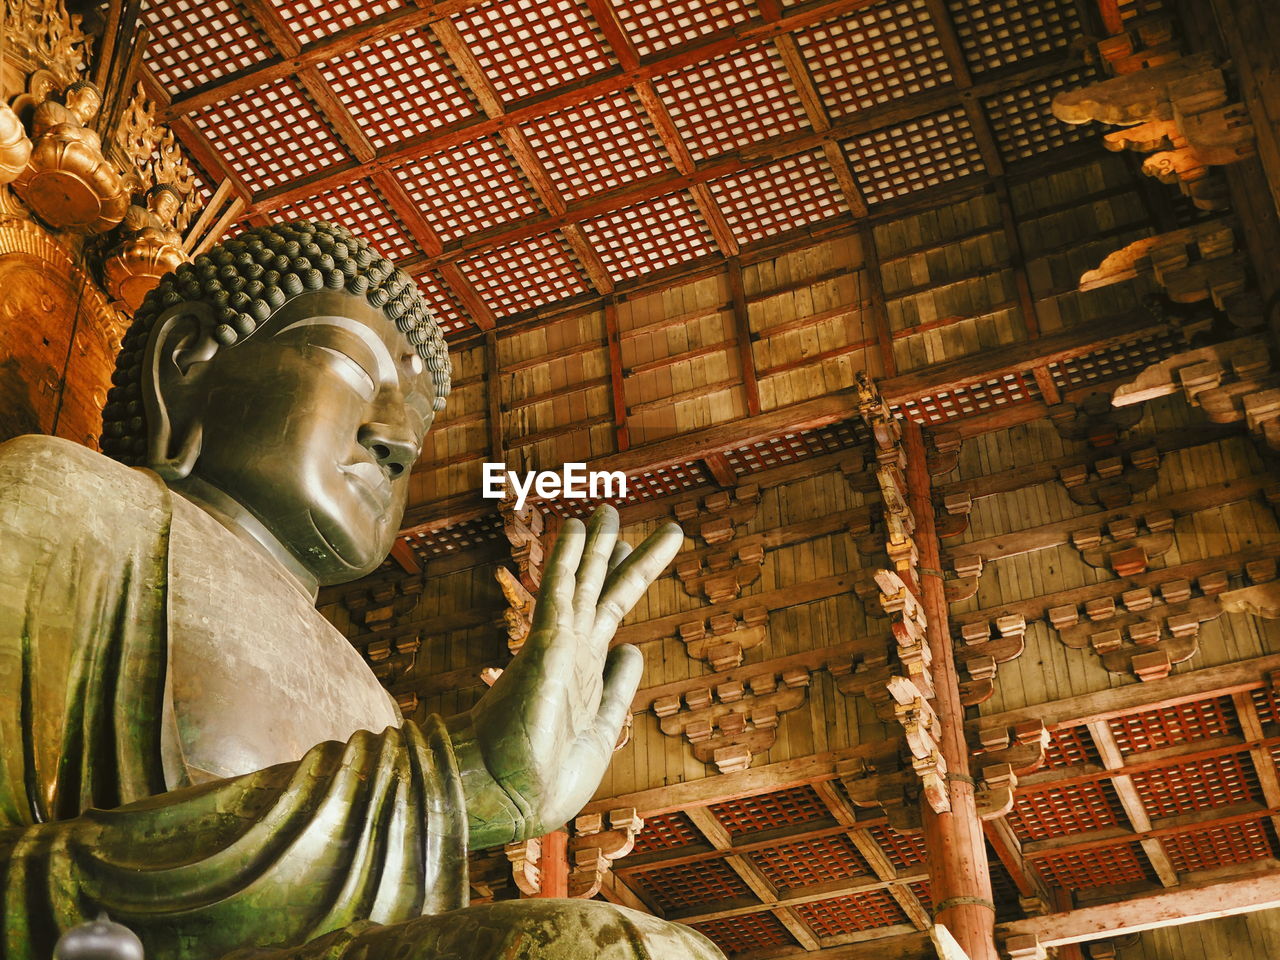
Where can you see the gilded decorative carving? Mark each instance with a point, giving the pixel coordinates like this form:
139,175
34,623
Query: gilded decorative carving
44,34
68,182
15,146
150,248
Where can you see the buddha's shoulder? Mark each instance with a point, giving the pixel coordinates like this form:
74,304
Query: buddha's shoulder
63,471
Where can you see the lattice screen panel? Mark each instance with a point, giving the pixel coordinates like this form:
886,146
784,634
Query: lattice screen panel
194,42
526,274
1022,120
903,849
663,482
732,101
1060,810
1198,785
980,398
312,20
1071,746
271,135
650,236
851,914
1198,720
755,931
770,811
461,536
657,25
529,46
398,88
449,313
361,208
874,56
1267,701
1112,362
790,447
473,186
924,893
599,145
998,33
667,831
690,884
897,161
805,863
1121,863
787,195
1219,846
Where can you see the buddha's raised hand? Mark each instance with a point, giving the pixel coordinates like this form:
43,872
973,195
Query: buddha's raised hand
536,746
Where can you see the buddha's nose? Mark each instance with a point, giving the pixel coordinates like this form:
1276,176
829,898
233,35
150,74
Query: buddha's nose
394,447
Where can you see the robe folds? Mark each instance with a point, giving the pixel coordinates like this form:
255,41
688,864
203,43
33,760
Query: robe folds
371,830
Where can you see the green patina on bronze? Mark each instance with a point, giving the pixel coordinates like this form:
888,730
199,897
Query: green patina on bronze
190,747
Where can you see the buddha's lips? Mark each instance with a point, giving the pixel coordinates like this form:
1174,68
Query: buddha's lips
372,481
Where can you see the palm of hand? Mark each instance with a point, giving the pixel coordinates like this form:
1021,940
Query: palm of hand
546,729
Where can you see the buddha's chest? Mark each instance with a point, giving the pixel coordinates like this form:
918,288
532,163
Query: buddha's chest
258,676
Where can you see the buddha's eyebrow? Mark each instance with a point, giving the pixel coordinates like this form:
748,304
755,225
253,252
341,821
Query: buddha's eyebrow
381,355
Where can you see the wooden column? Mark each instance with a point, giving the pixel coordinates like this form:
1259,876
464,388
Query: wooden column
960,880
553,867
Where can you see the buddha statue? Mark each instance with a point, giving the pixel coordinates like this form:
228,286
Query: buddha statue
15,147
149,248
188,746
67,180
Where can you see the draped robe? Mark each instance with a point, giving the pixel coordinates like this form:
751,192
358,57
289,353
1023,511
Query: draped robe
355,851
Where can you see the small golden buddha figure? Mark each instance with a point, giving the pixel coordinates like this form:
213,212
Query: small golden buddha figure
68,183
149,248
15,147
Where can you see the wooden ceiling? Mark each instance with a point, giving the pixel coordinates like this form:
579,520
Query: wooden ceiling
521,155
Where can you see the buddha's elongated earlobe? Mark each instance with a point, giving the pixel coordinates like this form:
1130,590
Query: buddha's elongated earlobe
174,363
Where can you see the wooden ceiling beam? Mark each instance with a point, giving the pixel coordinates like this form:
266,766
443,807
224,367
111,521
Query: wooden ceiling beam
1255,890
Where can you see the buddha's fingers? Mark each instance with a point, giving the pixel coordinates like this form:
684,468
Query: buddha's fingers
622,671
602,534
629,580
554,608
621,550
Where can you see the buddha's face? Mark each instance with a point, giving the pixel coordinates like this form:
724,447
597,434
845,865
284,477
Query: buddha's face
312,424
163,204
84,102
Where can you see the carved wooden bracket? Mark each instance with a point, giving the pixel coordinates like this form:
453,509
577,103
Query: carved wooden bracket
379,606
1121,546
1094,420
407,702
593,849
1021,748
1192,264
983,646
942,452
732,722
995,792
524,857
1231,382
720,576
952,518
896,793
1261,597
523,529
1111,481
392,657
518,617
1177,111
722,639
729,509
1025,946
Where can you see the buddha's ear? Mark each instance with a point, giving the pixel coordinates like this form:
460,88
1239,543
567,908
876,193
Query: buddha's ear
175,364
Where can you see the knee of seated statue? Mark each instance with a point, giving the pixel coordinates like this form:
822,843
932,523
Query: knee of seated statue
511,930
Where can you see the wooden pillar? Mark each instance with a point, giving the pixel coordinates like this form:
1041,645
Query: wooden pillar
553,866
960,879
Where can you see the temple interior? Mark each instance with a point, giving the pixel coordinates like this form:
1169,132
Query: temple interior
946,329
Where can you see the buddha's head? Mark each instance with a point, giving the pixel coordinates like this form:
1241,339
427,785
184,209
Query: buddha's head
164,201
84,99
295,372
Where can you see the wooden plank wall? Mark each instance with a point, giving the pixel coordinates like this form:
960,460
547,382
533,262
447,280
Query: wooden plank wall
1249,937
